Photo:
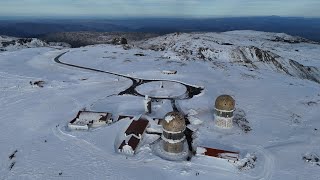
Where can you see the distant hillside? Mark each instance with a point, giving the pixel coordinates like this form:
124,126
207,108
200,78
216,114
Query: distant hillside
36,29
78,39
304,27
279,52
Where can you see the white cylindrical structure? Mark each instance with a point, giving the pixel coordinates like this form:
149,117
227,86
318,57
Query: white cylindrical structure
147,104
223,111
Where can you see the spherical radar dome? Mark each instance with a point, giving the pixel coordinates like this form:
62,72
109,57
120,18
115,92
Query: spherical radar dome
225,102
174,122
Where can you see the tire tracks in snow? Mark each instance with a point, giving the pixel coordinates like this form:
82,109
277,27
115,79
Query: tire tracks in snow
94,151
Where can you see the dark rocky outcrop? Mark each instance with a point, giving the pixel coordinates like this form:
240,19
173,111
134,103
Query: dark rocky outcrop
24,40
119,41
139,54
291,40
8,43
251,54
78,39
306,72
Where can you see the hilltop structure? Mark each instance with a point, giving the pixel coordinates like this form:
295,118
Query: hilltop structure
173,136
223,111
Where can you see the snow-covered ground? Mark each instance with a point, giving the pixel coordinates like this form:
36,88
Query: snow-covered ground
282,109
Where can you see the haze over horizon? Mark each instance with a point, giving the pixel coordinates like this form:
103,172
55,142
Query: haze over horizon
156,8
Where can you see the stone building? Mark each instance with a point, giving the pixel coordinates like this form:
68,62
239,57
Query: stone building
223,111
173,136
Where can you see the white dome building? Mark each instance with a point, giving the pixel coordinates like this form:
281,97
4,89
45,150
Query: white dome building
223,111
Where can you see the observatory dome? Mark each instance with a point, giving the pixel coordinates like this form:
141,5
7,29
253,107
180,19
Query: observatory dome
225,102
174,122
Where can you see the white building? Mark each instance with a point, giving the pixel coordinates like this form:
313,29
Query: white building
223,111
88,119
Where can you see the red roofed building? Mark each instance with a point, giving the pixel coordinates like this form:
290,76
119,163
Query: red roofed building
218,153
133,142
137,127
133,135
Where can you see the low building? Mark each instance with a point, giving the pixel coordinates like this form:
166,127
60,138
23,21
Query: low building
88,119
133,135
230,156
223,111
169,72
77,124
123,117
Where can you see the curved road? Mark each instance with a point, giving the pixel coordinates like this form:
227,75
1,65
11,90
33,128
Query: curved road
191,90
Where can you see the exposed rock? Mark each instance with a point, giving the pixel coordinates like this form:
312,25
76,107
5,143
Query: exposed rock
295,119
11,43
306,72
119,41
247,163
241,120
200,52
126,46
311,103
290,39
37,83
78,39
24,40
157,48
139,54
251,54
311,158
227,44
8,43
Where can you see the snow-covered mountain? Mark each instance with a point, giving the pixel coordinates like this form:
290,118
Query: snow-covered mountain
279,52
13,43
274,79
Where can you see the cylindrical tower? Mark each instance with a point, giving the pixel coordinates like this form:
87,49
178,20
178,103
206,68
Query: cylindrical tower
147,104
223,111
173,132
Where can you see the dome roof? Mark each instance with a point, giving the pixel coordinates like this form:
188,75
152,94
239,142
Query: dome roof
174,121
225,102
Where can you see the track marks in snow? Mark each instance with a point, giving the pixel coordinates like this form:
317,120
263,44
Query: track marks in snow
112,163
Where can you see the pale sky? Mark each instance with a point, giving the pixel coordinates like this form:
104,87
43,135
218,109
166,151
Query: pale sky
160,8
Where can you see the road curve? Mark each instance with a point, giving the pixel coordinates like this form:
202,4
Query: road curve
190,92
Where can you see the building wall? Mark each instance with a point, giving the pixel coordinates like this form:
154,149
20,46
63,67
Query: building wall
172,136
223,113
223,122
77,127
173,147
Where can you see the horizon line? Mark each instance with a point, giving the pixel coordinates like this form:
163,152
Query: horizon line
20,17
